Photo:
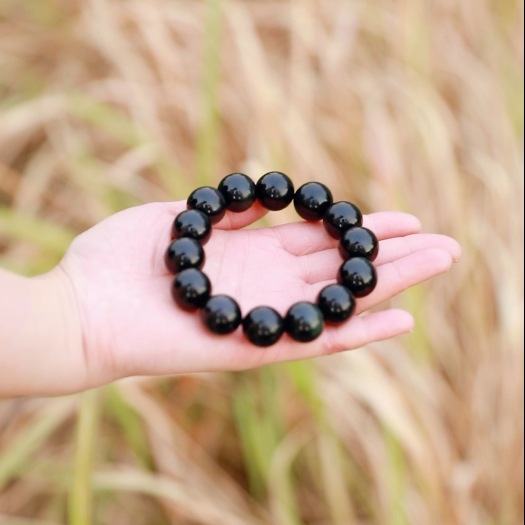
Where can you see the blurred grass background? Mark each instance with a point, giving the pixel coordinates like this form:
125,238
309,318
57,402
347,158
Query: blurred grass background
395,104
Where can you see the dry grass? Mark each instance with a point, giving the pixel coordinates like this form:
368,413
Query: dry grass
399,104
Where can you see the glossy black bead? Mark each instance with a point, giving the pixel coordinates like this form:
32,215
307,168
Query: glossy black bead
263,326
275,191
312,201
210,202
337,303
191,289
359,276
304,322
238,191
193,224
359,242
340,217
222,315
183,254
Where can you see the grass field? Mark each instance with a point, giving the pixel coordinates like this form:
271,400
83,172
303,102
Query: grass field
395,104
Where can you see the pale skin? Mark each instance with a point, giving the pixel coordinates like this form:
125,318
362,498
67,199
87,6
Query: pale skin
106,312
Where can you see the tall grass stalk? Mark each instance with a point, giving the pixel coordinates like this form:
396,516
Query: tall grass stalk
81,493
208,131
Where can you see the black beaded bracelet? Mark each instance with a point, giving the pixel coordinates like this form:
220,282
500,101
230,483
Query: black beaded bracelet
263,326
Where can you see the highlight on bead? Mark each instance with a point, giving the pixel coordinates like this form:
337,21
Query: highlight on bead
264,326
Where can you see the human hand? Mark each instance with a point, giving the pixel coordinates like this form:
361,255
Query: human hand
131,326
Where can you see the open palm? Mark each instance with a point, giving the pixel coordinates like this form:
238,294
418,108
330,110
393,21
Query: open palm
131,325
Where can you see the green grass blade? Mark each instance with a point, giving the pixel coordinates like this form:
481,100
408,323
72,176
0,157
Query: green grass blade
107,118
15,458
250,430
80,497
208,134
397,480
47,235
131,425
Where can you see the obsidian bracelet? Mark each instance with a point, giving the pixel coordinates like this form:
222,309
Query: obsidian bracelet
263,326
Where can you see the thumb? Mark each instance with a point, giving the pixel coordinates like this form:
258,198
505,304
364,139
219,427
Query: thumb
236,221
231,221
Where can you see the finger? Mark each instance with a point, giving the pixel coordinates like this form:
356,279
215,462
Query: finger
231,221
399,275
236,221
394,249
367,329
322,266
174,208
305,238
359,332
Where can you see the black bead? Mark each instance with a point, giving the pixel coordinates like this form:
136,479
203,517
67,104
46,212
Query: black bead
191,289
210,201
359,242
183,254
304,322
312,201
337,303
275,191
263,326
340,217
238,191
359,276
193,224
222,315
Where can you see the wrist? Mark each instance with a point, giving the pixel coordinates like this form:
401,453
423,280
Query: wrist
41,351
54,297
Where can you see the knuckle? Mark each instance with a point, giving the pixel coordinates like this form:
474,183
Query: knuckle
331,344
